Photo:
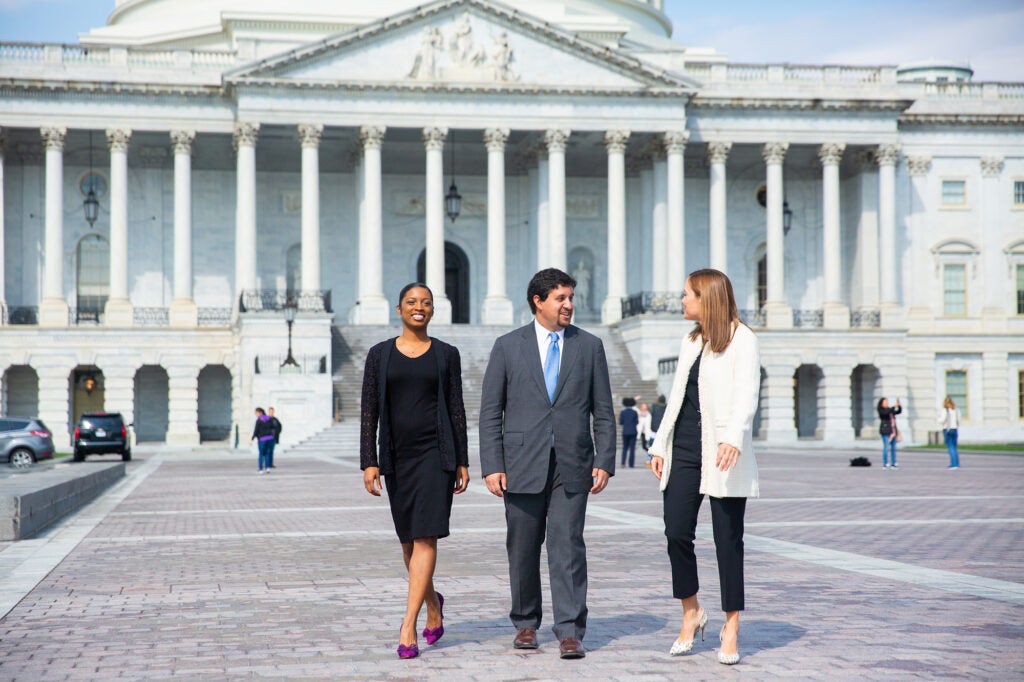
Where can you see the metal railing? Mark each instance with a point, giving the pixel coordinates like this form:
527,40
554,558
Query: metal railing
151,317
23,314
752,318
215,317
274,300
652,302
803,319
860,319
275,364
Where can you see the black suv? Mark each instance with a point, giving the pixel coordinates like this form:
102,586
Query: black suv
24,441
101,433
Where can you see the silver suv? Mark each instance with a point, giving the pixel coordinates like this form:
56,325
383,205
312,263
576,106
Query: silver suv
24,441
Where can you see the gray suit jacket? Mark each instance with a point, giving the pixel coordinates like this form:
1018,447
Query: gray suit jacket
517,420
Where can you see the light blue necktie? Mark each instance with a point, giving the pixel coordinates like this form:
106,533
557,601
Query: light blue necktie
551,367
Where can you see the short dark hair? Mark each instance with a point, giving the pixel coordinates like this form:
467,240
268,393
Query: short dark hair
410,286
544,282
260,410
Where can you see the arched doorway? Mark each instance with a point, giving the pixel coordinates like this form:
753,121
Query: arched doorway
151,404
21,392
762,405
88,390
806,393
93,278
214,403
863,386
456,279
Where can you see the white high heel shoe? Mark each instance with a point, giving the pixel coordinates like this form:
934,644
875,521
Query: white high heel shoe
724,658
681,647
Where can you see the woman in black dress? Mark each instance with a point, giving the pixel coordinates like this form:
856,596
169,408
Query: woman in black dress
412,390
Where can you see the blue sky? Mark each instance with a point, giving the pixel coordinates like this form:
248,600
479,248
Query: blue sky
987,33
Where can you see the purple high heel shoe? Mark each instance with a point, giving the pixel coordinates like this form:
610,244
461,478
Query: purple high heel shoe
434,634
411,651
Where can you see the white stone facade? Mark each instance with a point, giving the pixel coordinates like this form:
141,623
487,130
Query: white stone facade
873,226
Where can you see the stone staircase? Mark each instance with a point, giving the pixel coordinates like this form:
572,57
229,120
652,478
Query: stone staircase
348,355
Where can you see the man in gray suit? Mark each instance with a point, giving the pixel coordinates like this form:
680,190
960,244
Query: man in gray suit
545,387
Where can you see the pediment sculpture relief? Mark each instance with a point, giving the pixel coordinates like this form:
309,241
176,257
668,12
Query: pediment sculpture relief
461,57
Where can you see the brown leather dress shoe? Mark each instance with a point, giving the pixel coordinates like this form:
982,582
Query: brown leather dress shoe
570,647
526,638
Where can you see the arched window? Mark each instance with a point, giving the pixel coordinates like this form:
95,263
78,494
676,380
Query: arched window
93,277
761,287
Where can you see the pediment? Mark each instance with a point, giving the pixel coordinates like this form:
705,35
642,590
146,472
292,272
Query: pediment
459,45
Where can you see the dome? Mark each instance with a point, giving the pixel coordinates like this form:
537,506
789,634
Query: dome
225,24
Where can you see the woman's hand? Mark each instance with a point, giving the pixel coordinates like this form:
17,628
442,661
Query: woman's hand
461,479
728,455
657,466
371,480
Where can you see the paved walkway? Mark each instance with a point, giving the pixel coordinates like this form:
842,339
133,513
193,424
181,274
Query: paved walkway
195,567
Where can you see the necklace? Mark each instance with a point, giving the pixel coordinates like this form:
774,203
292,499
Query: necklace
410,350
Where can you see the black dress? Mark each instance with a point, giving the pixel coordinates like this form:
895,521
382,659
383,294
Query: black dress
419,491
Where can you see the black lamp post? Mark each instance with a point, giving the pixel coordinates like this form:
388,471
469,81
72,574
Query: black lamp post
453,200
91,205
290,309
787,217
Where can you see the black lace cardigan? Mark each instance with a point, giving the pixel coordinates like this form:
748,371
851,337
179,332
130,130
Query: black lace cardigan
451,412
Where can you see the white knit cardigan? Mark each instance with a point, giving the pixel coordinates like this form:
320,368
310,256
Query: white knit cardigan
729,383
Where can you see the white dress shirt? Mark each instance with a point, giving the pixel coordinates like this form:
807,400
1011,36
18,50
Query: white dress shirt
544,340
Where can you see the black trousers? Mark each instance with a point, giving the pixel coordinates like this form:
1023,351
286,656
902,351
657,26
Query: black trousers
682,500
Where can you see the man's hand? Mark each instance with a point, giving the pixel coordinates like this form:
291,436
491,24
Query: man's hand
727,457
600,477
496,483
461,479
657,466
371,480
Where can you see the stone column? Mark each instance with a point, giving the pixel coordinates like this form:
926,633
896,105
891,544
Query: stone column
994,302
54,371
647,221
119,386
497,305
309,138
118,311
867,232
778,417
183,312
888,155
53,309
778,314
718,152
836,400
433,139
675,238
659,222
373,304
245,138
183,405
556,141
3,290
615,143
543,209
836,314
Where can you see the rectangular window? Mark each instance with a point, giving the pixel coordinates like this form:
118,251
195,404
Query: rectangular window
954,192
956,388
762,282
1018,192
954,287
1020,289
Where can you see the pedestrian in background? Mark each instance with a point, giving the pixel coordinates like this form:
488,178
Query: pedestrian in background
643,427
889,432
706,448
949,420
412,392
629,419
263,436
277,434
657,414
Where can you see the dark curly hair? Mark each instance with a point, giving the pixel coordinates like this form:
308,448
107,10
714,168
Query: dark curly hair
544,282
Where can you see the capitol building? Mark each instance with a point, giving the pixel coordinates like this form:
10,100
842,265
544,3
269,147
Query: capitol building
209,205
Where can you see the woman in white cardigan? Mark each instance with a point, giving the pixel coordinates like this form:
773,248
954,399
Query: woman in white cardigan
704,447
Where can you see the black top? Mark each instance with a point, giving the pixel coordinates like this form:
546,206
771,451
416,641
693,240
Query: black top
686,435
888,418
629,419
412,402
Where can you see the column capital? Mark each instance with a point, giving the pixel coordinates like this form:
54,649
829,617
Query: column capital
718,152
557,139
675,141
495,139
53,137
309,134
615,141
245,134
181,141
372,137
831,153
433,138
774,152
887,154
118,139
919,165
991,166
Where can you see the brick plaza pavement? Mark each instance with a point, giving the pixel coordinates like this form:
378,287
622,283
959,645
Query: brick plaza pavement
195,567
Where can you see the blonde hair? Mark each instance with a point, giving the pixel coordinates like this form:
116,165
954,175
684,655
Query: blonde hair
718,312
948,403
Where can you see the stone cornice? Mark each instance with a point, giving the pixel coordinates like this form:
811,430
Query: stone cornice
797,104
447,88
962,119
19,86
539,30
